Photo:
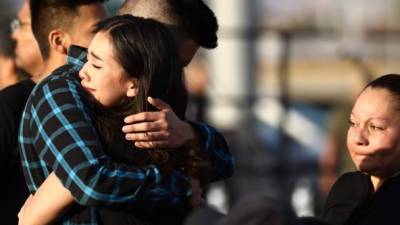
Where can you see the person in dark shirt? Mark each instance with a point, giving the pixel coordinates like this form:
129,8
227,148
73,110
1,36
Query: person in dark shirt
13,192
368,196
371,195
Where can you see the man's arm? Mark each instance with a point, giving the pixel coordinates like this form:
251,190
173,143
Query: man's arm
62,129
163,129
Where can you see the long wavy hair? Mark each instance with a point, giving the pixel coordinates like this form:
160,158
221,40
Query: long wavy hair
146,51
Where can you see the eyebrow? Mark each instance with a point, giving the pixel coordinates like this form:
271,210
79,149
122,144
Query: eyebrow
95,56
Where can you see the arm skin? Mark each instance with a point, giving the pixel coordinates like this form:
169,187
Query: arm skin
50,202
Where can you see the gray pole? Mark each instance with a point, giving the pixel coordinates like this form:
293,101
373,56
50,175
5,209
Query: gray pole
232,74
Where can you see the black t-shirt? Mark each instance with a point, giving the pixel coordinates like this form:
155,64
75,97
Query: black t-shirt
352,201
13,190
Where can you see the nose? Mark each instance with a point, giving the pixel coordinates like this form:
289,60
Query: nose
14,33
83,73
360,136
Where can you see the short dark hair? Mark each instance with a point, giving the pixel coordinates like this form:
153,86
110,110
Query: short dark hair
187,18
389,82
197,21
47,15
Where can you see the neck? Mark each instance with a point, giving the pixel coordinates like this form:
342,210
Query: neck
35,74
51,64
377,182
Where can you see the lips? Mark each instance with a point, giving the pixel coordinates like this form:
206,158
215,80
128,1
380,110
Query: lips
364,155
88,88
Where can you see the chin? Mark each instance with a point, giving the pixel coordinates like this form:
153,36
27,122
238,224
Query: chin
371,170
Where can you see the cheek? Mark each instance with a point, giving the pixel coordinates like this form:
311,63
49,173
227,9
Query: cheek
107,93
349,140
384,142
110,98
386,147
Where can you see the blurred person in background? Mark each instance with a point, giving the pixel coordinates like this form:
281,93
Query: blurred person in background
27,53
13,191
334,159
9,72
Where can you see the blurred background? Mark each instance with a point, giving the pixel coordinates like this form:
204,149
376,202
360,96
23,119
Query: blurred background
280,86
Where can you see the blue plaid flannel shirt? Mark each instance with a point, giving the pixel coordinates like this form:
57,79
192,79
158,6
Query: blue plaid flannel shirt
57,134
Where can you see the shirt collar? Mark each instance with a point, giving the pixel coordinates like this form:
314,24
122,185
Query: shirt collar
77,55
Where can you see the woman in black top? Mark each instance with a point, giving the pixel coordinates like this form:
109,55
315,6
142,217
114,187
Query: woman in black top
372,194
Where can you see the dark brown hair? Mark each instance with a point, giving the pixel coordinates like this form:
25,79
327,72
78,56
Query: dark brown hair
146,51
389,82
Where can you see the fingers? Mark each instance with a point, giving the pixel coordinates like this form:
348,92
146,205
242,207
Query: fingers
144,116
150,116
147,136
158,103
144,127
152,144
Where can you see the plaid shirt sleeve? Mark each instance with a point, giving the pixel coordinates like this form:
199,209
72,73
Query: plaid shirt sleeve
57,133
214,146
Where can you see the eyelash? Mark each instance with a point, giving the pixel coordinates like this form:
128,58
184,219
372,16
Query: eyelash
96,67
376,127
373,127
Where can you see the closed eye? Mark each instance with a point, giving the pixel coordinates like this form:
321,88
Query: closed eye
374,127
95,66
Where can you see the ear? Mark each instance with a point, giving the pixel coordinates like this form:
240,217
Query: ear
133,88
59,41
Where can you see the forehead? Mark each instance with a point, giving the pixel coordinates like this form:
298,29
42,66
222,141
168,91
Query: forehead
376,102
101,44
